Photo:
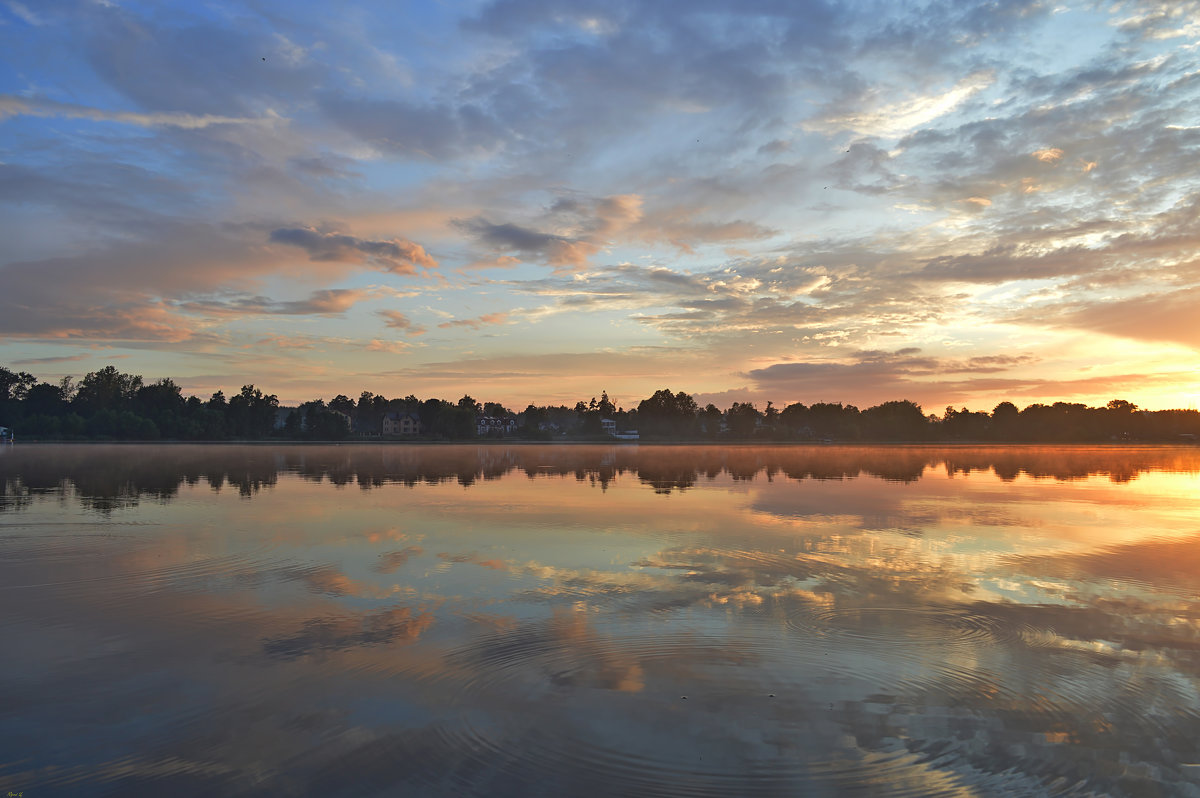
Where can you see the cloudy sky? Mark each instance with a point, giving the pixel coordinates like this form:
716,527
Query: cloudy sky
533,200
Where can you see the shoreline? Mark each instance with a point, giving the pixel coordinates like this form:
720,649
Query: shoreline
613,443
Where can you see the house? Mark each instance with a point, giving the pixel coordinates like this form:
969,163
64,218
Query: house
401,424
5,434
609,427
495,425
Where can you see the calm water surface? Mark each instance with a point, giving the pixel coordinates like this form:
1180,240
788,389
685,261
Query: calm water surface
574,621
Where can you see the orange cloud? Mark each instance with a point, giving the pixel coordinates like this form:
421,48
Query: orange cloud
1049,155
476,323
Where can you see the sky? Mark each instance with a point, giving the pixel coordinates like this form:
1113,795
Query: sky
955,203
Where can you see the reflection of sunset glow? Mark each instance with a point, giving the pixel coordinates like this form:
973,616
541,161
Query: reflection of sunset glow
925,610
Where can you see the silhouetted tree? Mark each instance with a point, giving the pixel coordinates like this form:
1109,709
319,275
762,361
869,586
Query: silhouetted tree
106,389
667,414
895,421
742,418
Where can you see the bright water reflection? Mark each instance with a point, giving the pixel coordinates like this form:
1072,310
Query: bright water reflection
540,620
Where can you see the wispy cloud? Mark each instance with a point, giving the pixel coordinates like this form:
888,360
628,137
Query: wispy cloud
398,321
887,119
476,323
23,106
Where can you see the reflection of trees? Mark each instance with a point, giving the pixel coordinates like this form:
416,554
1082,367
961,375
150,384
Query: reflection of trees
108,477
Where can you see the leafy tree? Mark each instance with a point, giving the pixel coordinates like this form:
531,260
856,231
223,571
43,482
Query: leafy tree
14,384
456,422
742,418
605,406
342,404
667,414
834,420
895,421
431,411
251,414
494,409
45,399
106,389
771,415
320,422
293,425
710,419
1005,418
964,425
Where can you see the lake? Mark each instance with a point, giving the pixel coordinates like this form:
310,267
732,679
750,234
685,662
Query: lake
530,620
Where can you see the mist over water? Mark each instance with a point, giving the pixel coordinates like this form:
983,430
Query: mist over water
593,620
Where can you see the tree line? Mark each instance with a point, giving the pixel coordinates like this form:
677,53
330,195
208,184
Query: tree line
110,405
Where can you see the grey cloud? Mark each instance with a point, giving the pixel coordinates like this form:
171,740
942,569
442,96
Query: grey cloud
390,562
37,361
504,237
344,632
200,69
866,378
331,301
509,236
1004,262
871,376
109,194
398,128
17,106
121,291
395,255
326,166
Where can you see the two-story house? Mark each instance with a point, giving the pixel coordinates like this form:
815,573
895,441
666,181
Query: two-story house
495,425
401,424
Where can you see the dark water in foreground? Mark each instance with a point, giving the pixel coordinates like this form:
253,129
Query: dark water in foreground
574,621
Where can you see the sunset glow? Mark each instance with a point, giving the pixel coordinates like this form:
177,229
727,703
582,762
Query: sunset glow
532,201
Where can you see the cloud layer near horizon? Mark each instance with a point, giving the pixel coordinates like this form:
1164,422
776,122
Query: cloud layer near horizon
806,201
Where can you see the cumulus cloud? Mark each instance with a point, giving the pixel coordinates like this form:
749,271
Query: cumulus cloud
394,255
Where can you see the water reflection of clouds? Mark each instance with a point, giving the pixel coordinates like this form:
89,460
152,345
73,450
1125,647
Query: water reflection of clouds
830,634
